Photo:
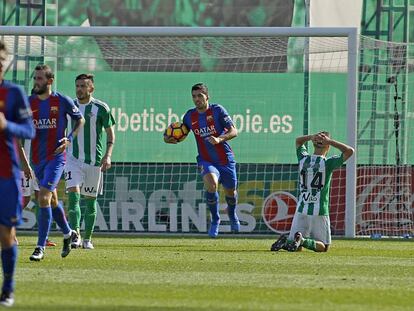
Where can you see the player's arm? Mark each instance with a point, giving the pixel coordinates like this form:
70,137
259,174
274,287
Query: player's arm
303,139
110,141
75,115
227,123
23,127
229,134
346,150
24,161
65,141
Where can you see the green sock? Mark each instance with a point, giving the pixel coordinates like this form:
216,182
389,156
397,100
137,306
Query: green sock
90,217
309,244
74,210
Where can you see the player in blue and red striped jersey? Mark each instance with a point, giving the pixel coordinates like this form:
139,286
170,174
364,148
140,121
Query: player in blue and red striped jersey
50,111
213,127
15,123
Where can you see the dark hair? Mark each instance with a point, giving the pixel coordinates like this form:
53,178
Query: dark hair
200,86
48,71
3,46
325,133
85,76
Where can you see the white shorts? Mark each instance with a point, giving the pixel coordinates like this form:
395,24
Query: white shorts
87,177
29,185
311,226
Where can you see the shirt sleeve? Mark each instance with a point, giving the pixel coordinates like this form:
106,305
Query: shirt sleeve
225,118
186,120
301,152
22,124
108,119
71,108
335,161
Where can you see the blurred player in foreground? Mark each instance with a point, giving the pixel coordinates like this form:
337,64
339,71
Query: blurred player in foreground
15,123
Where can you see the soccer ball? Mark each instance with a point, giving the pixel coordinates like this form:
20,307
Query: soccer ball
176,130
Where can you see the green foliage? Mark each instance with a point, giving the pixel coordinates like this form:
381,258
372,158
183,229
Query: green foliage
139,273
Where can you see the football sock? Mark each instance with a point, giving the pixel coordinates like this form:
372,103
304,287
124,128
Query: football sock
44,221
309,244
36,209
59,217
8,259
90,217
74,210
212,203
231,207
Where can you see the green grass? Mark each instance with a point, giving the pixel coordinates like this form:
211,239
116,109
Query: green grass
151,273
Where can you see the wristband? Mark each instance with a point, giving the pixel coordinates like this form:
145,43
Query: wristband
70,137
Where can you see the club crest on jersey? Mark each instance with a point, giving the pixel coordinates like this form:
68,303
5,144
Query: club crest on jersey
54,109
1,103
209,118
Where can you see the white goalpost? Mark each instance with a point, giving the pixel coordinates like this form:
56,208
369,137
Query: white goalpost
145,75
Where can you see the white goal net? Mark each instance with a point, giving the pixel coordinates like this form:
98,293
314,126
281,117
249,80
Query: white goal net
275,87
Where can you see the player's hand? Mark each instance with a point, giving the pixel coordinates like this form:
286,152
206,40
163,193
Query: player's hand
214,140
170,140
27,170
106,163
324,140
64,142
3,122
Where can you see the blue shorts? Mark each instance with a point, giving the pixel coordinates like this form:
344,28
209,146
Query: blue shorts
11,207
226,174
48,173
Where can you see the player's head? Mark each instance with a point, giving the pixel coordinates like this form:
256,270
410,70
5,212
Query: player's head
42,79
199,92
319,145
84,84
3,57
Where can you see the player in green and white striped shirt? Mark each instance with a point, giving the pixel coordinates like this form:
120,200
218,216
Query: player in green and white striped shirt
311,225
87,158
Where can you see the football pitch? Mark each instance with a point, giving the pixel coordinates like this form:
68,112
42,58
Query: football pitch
175,273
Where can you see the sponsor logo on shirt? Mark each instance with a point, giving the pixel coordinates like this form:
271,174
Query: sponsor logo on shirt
41,124
308,198
205,131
